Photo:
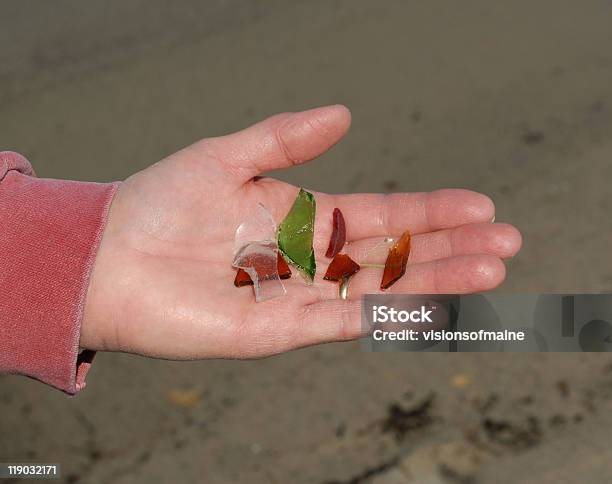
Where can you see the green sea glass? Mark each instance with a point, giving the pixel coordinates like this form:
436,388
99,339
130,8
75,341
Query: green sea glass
296,232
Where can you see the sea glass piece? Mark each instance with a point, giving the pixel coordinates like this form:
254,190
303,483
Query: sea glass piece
296,233
395,266
341,267
259,226
338,236
260,262
283,268
373,255
243,278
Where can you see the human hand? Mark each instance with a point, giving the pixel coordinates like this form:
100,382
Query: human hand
162,283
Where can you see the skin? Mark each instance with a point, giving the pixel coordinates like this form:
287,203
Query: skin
162,284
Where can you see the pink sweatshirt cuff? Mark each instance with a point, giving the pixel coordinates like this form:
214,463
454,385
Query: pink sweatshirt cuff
50,231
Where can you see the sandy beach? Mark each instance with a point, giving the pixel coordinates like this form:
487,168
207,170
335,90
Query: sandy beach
511,99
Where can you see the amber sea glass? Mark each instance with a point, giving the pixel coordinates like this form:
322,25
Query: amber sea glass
341,266
395,266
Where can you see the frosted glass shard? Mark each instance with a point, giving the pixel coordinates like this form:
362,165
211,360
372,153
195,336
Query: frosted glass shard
374,255
259,226
243,279
260,262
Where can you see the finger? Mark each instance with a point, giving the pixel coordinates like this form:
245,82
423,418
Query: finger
501,240
380,215
455,275
283,327
281,141
327,321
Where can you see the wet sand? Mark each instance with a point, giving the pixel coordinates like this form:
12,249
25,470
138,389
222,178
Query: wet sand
514,100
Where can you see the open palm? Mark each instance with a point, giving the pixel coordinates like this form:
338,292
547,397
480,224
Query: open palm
162,283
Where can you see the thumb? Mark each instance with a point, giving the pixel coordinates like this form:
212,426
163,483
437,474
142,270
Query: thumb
280,141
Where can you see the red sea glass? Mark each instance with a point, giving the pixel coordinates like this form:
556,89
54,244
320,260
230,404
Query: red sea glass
243,278
338,236
341,266
260,262
397,259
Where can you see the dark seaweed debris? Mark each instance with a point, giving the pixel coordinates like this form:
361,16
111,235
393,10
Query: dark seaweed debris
368,473
401,420
532,137
513,436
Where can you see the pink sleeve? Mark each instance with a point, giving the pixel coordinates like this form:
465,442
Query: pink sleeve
49,235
